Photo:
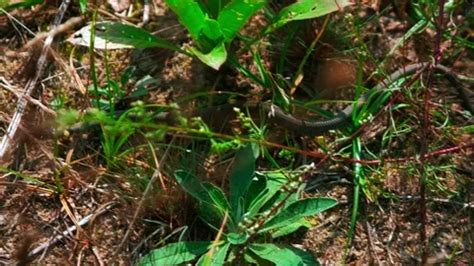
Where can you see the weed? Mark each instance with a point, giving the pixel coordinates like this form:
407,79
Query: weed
260,206
211,25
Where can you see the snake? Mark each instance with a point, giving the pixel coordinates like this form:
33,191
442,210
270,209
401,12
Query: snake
342,118
317,128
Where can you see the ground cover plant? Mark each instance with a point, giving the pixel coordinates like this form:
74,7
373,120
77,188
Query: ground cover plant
220,132
249,211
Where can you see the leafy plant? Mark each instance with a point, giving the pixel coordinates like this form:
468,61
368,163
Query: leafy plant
211,24
260,206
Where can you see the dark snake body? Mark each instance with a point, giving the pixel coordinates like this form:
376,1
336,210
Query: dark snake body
317,128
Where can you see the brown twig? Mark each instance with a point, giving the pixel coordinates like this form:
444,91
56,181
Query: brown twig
17,118
69,231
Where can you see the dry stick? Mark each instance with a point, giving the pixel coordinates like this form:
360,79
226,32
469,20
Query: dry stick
7,86
69,24
69,231
146,12
22,102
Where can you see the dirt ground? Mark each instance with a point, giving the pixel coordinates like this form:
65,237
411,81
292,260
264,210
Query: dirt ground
52,182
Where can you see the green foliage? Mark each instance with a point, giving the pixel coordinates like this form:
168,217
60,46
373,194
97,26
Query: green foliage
8,5
307,9
252,216
115,35
176,253
211,34
211,24
285,255
83,5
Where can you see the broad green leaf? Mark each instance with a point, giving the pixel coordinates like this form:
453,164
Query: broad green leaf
215,6
307,257
217,258
235,14
213,203
240,178
211,215
189,14
212,30
273,181
308,9
192,185
175,253
210,37
290,228
281,256
217,196
115,35
214,58
298,210
215,211
237,239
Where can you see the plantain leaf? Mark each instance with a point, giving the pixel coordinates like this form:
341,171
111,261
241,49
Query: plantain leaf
235,14
290,228
240,178
190,15
115,35
298,210
308,9
215,58
175,253
263,189
217,258
282,256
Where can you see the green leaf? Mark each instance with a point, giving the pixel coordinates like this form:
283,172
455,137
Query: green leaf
83,6
190,15
115,35
212,215
308,9
10,5
218,258
273,181
192,185
237,239
307,257
215,211
213,203
235,14
290,228
214,58
298,210
240,178
215,6
212,30
176,253
217,196
281,256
